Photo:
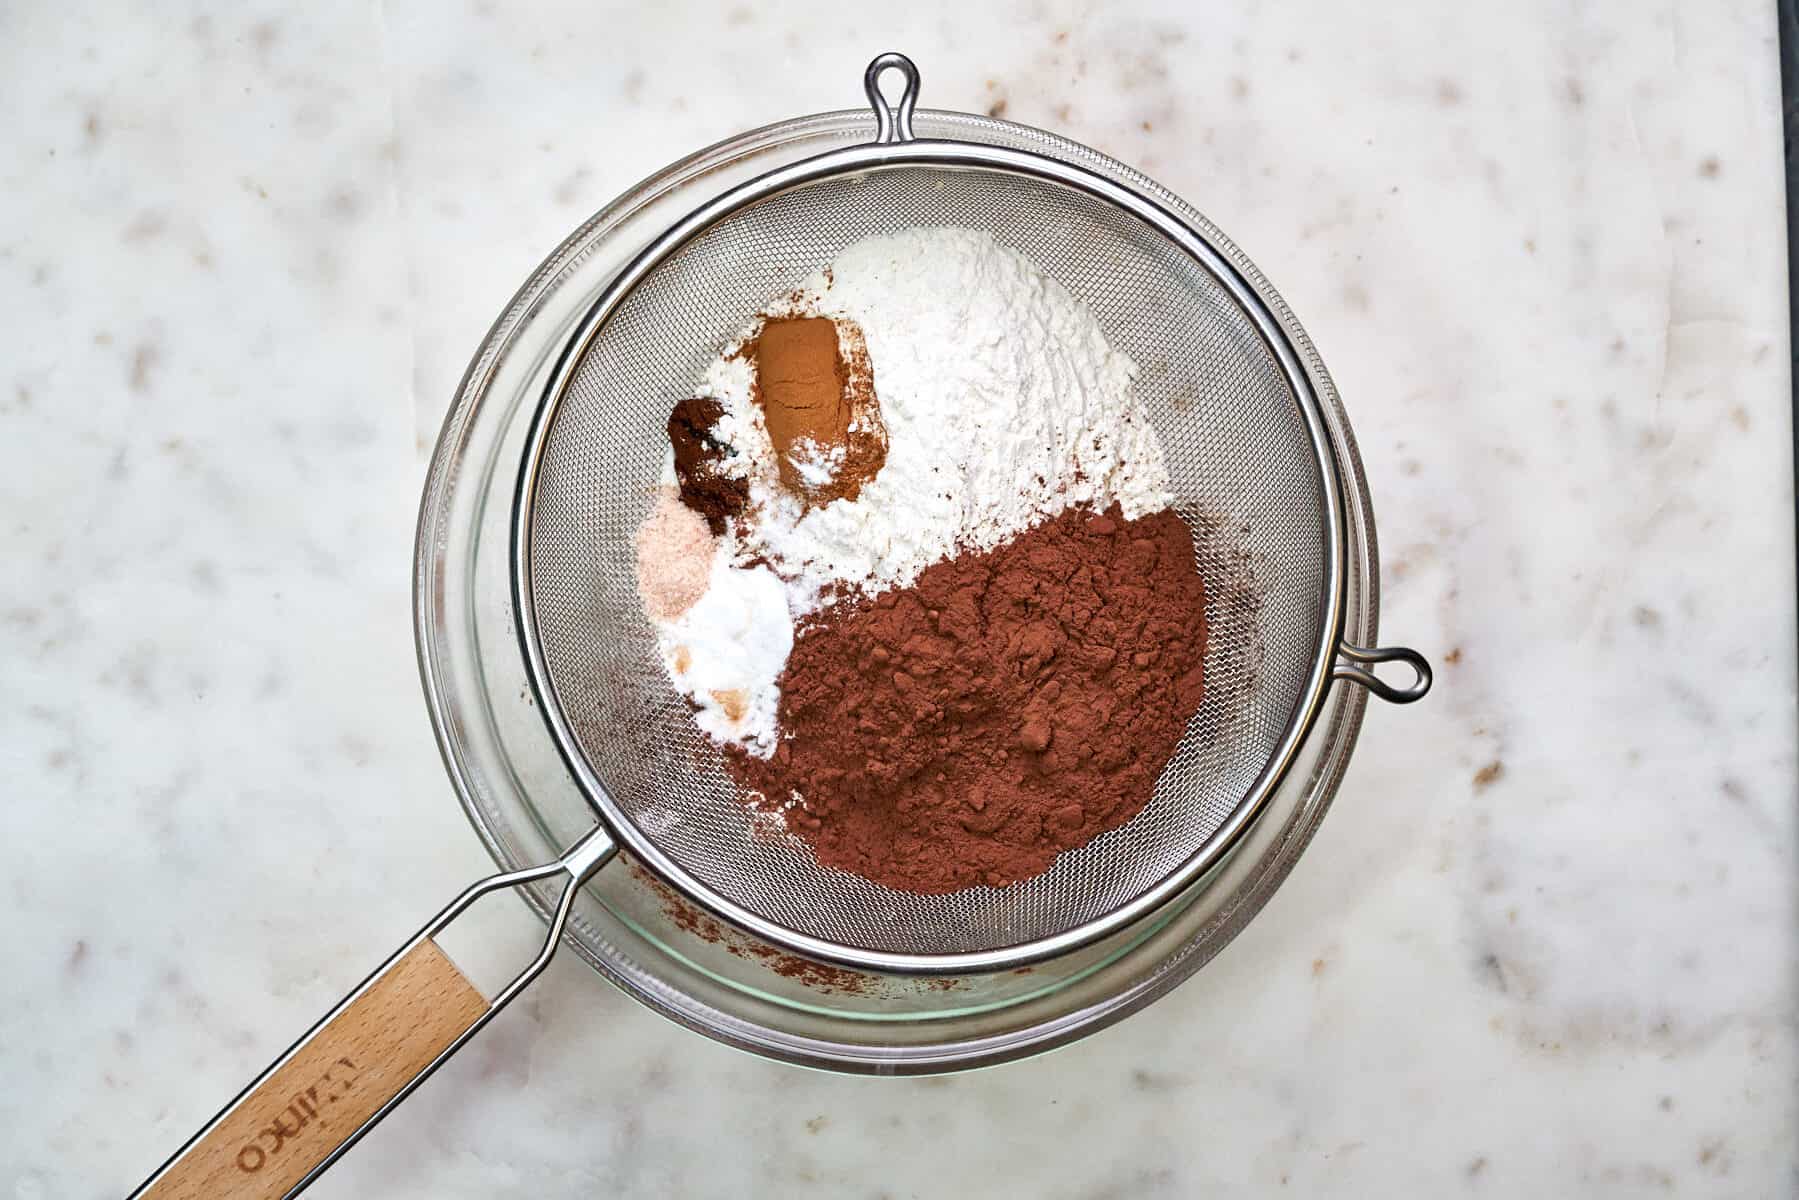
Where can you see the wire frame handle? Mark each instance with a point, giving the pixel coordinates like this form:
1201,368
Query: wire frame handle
365,1056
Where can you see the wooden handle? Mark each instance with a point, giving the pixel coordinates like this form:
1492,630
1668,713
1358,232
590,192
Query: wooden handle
365,1056
310,1104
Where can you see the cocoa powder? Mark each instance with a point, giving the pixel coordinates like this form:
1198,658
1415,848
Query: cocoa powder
1008,706
692,920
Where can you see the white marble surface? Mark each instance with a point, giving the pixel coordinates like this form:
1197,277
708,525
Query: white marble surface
1545,943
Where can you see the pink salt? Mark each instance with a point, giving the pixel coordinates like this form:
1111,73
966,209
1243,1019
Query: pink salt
674,557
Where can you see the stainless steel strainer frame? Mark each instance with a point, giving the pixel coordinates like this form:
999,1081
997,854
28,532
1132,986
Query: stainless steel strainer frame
895,146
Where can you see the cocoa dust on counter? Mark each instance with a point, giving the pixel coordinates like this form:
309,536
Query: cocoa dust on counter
1006,707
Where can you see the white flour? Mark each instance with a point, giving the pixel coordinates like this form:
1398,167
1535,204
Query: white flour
1004,405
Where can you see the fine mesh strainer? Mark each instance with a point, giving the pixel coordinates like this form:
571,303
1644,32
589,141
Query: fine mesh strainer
1257,482
1251,466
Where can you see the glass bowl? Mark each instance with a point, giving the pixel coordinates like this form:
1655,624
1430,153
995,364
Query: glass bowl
631,928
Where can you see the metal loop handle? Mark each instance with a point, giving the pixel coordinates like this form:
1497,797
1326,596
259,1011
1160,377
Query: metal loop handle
1418,688
892,124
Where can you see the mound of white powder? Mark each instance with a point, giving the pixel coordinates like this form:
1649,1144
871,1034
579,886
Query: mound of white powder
1003,401
1004,404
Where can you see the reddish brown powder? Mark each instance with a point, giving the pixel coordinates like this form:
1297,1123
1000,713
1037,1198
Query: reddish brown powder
699,462
815,387
690,919
1006,707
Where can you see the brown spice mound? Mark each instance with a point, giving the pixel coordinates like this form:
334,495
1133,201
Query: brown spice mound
1006,707
818,406
699,457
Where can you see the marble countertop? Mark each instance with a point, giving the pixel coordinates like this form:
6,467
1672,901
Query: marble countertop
1544,943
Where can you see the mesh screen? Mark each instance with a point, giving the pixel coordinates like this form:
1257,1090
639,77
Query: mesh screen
1237,450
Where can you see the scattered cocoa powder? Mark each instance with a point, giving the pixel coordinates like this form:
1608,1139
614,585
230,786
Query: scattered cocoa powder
699,456
692,920
818,406
1007,706
821,976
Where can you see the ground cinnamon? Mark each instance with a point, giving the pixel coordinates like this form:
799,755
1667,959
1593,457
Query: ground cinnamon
1006,707
818,405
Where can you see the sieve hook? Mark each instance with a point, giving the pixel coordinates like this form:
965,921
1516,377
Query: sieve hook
892,124
1374,683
